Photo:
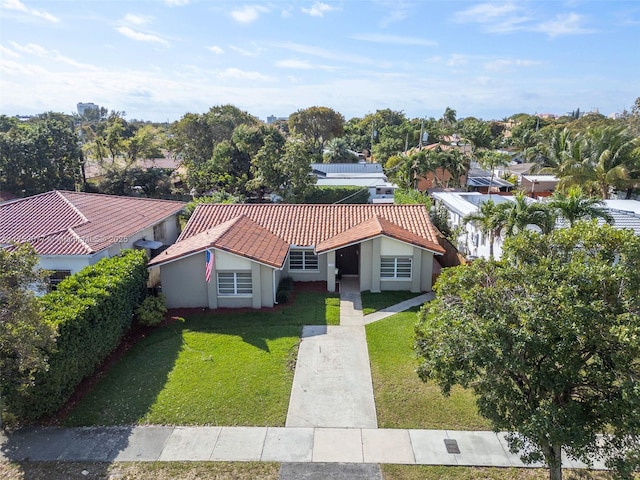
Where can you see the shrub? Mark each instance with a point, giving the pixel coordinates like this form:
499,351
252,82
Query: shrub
90,310
151,311
337,194
285,288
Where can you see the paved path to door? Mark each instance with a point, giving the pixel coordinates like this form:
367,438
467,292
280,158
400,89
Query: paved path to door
332,382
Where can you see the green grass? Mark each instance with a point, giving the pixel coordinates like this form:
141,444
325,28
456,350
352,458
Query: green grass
402,399
424,472
217,369
372,302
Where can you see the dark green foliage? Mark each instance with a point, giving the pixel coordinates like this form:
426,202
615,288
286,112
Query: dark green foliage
337,195
151,311
285,288
91,311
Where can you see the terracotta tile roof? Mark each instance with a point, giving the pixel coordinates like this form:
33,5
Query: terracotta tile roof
374,227
241,236
310,225
72,223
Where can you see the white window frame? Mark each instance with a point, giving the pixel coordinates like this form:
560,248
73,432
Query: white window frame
396,268
309,261
235,284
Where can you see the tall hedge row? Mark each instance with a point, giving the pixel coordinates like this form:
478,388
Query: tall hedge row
91,310
334,194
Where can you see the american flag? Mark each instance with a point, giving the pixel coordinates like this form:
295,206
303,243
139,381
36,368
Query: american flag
208,266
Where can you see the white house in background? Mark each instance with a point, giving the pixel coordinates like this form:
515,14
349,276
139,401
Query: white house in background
365,175
71,230
470,241
253,246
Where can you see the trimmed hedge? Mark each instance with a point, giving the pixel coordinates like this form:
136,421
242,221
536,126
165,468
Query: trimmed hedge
338,194
91,310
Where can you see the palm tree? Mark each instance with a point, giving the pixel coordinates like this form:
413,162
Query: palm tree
574,206
489,219
520,213
601,159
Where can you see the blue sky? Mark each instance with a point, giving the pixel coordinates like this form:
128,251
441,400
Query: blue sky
159,59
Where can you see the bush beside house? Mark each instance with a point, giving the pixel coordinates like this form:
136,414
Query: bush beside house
91,312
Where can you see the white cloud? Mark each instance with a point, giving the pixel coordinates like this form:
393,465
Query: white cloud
318,9
485,12
18,6
297,64
215,49
564,24
140,36
457,60
504,65
394,39
248,13
237,74
324,53
244,52
8,52
54,55
133,19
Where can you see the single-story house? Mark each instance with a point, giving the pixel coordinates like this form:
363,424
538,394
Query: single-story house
236,255
71,230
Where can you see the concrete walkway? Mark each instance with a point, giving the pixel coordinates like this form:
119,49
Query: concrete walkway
332,381
267,444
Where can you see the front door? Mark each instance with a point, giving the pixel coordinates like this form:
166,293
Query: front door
348,260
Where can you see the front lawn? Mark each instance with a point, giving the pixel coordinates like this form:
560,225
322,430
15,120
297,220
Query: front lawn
217,369
402,399
373,302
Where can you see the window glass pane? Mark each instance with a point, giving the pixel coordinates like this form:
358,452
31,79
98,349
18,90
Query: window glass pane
303,260
234,283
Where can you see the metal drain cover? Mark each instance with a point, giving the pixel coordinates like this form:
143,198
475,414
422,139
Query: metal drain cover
452,446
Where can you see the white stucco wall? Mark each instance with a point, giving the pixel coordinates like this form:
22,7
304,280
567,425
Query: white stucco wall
74,263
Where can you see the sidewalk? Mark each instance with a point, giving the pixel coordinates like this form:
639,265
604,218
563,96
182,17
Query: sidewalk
267,444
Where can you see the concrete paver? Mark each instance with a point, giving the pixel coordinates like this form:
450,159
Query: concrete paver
429,448
288,445
240,444
95,444
144,444
387,446
399,307
341,445
190,443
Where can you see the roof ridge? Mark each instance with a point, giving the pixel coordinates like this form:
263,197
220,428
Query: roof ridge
60,193
102,195
80,239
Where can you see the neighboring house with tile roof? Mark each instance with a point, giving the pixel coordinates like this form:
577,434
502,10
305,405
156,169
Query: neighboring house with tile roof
254,246
71,230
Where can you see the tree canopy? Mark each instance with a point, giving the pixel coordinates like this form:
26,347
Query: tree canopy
25,338
548,341
316,126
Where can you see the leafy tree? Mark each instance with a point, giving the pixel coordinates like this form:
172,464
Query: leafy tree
194,139
296,168
316,126
411,197
39,156
547,340
575,205
25,338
